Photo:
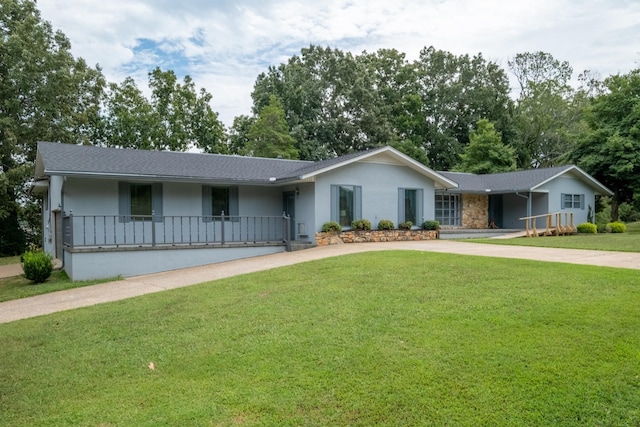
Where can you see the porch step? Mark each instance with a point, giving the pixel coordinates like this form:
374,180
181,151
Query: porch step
300,245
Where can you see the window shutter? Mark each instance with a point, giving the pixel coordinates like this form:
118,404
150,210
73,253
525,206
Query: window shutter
401,212
156,201
357,202
206,204
562,201
334,203
233,203
420,208
124,201
582,201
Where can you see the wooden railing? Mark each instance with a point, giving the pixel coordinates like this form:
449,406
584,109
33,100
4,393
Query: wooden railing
551,228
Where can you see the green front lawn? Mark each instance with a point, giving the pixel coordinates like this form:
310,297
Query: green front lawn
380,338
20,287
622,242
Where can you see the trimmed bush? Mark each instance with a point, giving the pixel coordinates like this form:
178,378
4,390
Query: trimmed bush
587,228
616,227
405,225
331,226
385,224
361,224
37,266
430,225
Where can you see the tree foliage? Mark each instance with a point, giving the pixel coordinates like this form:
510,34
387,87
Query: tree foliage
548,111
269,135
336,103
175,118
485,152
46,94
610,149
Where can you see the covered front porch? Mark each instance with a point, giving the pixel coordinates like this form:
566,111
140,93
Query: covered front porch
97,246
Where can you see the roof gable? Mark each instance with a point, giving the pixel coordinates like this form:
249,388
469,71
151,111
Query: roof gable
525,181
78,160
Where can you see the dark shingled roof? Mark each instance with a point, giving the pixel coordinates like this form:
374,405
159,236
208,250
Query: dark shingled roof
511,182
90,160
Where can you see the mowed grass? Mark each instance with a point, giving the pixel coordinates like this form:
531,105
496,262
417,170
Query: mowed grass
382,338
6,260
620,242
20,287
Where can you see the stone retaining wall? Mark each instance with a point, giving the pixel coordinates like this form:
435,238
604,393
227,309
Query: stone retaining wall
331,238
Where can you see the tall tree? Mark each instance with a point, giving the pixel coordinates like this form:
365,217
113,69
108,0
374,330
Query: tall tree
175,118
485,152
269,135
456,92
547,117
46,94
610,151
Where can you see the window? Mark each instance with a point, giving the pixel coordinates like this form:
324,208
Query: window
410,202
139,201
219,201
448,209
216,200
572,201
346,204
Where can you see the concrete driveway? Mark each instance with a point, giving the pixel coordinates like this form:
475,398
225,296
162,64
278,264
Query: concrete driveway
140,285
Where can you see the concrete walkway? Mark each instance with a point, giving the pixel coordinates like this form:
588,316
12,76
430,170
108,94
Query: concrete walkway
140,285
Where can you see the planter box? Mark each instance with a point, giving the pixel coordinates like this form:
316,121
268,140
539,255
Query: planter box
334,238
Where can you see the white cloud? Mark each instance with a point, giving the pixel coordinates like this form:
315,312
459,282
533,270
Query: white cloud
224,44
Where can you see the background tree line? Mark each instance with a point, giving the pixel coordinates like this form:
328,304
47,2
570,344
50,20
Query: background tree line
450,112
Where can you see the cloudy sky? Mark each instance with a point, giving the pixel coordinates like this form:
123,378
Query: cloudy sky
225,44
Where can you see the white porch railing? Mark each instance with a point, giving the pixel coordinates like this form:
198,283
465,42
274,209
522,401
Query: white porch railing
102,231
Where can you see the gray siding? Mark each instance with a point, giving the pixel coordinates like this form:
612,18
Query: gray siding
380,183
569,185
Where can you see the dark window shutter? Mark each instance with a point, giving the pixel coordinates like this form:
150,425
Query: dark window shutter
335,203
420,208
156,201
234,209
124,201
206,204
562,201
357,202
582,201
401,204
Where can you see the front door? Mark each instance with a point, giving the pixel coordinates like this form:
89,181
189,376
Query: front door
495,211
289,209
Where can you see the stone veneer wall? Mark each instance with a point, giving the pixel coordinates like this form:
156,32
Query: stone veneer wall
475,211
331,238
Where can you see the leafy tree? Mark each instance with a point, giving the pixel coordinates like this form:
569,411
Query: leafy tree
46,94
486,153
130,119
548,112
175,118
456,92
238,134
269,135
610,151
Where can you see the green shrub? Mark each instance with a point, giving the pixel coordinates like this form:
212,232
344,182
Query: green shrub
331,226
361,224
385,224
616,227
430,225
37,266
587,227
405,225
